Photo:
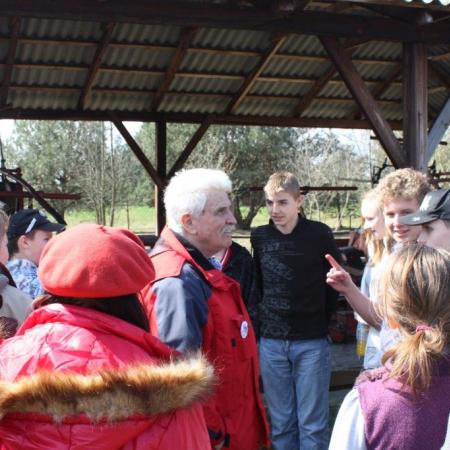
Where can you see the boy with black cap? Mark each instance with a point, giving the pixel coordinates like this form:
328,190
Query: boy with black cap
28,233
434,217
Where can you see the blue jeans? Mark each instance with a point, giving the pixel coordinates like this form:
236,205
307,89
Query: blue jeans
296,380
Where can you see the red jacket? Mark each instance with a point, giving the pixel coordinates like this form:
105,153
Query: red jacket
73,378
235,413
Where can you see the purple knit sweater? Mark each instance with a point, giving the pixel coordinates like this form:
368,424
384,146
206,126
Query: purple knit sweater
396,420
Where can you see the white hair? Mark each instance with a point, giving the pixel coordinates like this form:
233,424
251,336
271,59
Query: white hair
187,192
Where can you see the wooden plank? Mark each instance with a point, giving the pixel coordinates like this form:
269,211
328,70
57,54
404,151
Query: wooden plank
276,43
101,49
199,94
439,73
14,25
220,119
323,80
136,149
415,104
366,102
380,89
161,167
186,37
156,72
438,129
179,163
214,51
198,14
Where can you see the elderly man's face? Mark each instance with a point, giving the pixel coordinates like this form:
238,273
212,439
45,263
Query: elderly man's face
214,227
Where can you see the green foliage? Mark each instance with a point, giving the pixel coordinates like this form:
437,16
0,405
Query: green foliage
92,159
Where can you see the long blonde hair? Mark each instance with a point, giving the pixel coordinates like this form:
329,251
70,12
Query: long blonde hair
414,292
376,247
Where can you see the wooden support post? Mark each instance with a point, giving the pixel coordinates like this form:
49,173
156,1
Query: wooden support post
415,104
161,167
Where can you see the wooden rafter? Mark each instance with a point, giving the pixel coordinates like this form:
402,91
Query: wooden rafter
440,57
201,50
186,37
439,73
307,99
185,74
438,129
14,25
324,79
380,89
252,77
142,116
407,5
184,155
101,49
199,94
197,14
136,149
355,84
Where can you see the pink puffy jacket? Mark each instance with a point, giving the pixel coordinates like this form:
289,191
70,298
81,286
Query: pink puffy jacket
74,378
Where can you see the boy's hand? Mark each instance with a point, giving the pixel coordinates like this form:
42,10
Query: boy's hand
337,277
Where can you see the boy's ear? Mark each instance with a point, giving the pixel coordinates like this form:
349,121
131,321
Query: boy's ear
22,242
300,200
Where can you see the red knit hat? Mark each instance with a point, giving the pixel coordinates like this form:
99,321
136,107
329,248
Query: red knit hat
95,261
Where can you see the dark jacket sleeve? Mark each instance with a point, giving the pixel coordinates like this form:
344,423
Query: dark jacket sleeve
256,293
182,309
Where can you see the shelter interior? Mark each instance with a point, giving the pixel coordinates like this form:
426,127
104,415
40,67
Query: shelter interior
377,64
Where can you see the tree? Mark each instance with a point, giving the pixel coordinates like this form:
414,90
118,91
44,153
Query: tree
248,155
78,157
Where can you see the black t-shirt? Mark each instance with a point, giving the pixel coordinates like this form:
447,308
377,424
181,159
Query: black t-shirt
296,301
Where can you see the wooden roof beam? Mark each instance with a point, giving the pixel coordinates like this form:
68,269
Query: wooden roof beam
136,149
14,25
277,42
186,37
198,14
379,90
200,132
355,84
140,92
439,73
145,116
438,129
410,5
101,49
439,57
307,99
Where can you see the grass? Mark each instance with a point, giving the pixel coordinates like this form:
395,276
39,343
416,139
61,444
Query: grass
142,219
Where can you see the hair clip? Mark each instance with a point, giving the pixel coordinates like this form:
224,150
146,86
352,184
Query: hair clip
423,327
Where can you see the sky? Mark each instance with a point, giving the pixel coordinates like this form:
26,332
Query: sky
7,126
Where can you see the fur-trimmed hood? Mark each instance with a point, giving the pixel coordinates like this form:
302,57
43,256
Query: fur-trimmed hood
111,395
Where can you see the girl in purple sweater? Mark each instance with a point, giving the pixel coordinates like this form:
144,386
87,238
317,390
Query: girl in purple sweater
406,403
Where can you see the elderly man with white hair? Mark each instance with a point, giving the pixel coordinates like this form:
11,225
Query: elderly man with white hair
194,306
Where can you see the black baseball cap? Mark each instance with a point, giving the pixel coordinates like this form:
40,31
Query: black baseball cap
27,220
434,206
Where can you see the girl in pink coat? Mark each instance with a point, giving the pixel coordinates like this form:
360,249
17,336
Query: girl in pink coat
83,372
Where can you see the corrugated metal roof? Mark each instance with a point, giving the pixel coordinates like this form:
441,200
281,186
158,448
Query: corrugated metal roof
53,59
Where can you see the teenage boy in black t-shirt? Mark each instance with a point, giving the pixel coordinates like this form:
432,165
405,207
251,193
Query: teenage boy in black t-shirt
293,316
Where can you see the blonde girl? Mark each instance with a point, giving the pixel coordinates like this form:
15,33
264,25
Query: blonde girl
378,245
406,403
